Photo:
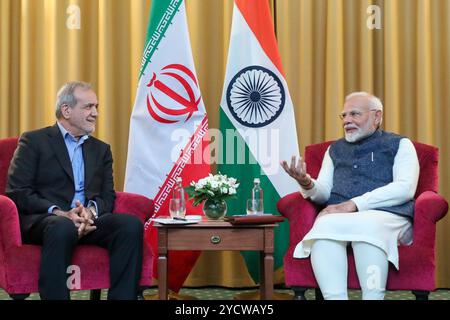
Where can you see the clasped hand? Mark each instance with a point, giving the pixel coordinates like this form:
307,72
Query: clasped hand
81,217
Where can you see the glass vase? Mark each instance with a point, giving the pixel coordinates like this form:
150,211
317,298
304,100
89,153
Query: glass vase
214,209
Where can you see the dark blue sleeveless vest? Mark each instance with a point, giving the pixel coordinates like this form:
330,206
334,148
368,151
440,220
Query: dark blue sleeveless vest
363,166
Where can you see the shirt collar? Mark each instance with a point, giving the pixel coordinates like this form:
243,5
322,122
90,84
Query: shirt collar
66,133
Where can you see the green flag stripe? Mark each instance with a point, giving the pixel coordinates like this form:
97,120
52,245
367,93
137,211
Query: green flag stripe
161,16
245,173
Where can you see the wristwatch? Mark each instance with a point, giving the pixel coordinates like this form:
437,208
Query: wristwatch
94,212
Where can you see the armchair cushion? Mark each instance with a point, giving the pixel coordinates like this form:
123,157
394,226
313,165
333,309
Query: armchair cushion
136,204
7,148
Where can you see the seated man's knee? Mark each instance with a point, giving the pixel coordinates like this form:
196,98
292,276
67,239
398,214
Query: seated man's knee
61,229
131,226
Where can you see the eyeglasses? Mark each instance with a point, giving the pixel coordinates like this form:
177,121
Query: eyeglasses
354,114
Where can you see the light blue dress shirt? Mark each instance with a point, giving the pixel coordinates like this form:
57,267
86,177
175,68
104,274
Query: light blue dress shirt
75,150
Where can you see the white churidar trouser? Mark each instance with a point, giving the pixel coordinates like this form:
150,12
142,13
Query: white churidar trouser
329,262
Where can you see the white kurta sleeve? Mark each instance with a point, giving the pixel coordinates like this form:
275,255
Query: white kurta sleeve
320,193
402,188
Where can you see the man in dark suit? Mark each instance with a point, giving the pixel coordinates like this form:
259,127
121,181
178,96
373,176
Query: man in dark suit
61,180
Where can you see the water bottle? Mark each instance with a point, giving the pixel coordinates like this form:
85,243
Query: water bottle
257,197
177,205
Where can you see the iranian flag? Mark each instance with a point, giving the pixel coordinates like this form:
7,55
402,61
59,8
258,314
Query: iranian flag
257,118
167,126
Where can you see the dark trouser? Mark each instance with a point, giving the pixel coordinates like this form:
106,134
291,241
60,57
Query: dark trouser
120,234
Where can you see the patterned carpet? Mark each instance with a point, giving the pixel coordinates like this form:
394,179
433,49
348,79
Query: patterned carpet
219,293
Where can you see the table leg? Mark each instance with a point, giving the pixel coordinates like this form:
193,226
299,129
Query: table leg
262,276
266,258
162,277
162,263
266,281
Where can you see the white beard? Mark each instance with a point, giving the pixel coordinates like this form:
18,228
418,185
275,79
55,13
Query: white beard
359,134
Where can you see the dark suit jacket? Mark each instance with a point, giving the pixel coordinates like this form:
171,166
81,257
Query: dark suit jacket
40,175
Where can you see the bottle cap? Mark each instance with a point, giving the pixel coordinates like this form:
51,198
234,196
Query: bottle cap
256,180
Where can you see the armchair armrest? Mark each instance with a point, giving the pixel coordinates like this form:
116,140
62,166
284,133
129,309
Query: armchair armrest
9,224
138,205
429,208
300,212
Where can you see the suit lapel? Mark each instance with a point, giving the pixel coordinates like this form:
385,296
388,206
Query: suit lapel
90,158
60,149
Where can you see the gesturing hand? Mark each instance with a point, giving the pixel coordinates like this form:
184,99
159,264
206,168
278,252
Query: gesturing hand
298,172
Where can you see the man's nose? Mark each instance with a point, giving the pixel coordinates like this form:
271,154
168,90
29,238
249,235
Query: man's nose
347,120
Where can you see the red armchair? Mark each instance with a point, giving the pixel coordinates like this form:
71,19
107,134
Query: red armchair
19,263
417,262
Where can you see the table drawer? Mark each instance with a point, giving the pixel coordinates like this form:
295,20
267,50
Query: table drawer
216,239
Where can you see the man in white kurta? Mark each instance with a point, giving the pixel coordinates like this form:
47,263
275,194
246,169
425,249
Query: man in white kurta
373,222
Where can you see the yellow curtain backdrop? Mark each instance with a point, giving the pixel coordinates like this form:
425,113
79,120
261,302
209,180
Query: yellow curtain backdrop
326,48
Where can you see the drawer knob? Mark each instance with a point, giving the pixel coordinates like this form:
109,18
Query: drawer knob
215,239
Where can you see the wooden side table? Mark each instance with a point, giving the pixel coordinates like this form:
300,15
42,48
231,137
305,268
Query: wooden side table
217,235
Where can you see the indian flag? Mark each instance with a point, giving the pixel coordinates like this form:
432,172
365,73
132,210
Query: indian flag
257,118
168,125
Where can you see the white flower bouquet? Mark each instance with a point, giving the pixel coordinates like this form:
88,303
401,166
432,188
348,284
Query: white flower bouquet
214,187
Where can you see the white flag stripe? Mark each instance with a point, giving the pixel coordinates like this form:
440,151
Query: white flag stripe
150,148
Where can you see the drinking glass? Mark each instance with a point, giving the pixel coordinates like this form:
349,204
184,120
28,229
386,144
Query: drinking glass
255,206
177,208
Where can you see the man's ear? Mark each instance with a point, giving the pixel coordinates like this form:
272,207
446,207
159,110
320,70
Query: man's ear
65,110
378,116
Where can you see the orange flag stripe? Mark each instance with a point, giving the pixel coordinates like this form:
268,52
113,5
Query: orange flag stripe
257,15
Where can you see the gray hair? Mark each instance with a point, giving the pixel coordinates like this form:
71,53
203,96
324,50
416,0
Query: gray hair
374,102
65,95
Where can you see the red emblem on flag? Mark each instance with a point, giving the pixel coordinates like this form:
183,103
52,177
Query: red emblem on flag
173,94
